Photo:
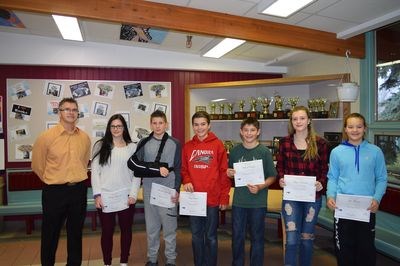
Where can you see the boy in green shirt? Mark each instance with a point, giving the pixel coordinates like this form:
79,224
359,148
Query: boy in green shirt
250,202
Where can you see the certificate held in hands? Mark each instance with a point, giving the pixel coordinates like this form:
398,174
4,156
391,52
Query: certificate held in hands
353,207
115,201
299,188
193,203
250,172
161,195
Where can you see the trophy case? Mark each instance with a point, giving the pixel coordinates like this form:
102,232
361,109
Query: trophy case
270,100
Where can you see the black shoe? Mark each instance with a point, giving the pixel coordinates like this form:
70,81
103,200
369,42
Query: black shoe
149,263
169,264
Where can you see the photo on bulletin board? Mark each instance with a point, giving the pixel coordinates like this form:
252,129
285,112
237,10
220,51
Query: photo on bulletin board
104,90
53,89
141,107
158,91
161,107
80,89
100,108
20,90
126,116
133,90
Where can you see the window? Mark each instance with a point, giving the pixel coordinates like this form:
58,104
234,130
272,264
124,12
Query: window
390,146
388,73
380,95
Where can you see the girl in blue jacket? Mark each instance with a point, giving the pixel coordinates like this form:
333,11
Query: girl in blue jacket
356,167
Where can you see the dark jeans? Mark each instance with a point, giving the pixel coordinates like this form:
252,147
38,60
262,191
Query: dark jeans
204,238
125,220
355,242
253,219
60,203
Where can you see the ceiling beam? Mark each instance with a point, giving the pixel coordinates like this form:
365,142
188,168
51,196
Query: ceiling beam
144,13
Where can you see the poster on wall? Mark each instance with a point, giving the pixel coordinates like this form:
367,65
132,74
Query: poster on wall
33,106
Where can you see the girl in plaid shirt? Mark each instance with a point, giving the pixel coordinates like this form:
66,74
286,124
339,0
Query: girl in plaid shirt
301,153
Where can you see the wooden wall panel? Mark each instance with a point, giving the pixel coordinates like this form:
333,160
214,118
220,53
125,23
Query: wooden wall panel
178,78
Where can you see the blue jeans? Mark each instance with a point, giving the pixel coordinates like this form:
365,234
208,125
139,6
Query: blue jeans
204,238
300,219
253,218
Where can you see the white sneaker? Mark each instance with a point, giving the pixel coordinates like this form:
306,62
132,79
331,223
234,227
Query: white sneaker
124,264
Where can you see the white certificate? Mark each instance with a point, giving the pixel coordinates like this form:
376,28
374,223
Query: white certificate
353,207
161,195
115,201
299,188
251,172
193,203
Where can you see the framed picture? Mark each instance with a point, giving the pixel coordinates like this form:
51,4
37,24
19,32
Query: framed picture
201,108
100,108
161,107
53,89
333,110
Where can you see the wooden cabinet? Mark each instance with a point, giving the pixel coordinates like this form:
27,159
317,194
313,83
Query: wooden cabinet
200,95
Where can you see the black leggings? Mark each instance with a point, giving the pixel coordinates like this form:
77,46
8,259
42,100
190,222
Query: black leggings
355,242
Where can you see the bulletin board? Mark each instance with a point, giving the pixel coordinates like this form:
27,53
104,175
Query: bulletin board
32,107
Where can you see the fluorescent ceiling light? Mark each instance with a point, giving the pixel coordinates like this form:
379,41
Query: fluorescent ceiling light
285,8
68,27
388,63
225,46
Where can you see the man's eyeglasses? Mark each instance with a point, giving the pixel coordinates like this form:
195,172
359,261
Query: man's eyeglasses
67,110
117,127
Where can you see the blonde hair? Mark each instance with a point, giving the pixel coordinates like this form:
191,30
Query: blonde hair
311,152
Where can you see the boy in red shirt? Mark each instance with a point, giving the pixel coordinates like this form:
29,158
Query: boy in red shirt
204,165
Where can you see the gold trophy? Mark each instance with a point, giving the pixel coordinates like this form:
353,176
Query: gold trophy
222,115
253,107
322,112
213,115
241,114
278,111
265,102
293,101
311,106
230,110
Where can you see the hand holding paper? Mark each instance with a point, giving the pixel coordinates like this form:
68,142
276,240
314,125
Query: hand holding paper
299,188
251,172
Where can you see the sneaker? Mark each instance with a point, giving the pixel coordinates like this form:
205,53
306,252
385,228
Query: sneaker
124,264
169,264
149,263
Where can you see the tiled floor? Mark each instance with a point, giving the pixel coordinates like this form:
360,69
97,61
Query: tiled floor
17,248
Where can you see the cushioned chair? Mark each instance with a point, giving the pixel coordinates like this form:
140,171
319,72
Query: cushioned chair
274,208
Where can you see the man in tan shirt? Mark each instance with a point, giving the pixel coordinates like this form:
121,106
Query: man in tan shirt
60,158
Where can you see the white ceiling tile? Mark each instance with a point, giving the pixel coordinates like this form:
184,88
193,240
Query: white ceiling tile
360,11
233,7
39,24
100,31
318,6
325,24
